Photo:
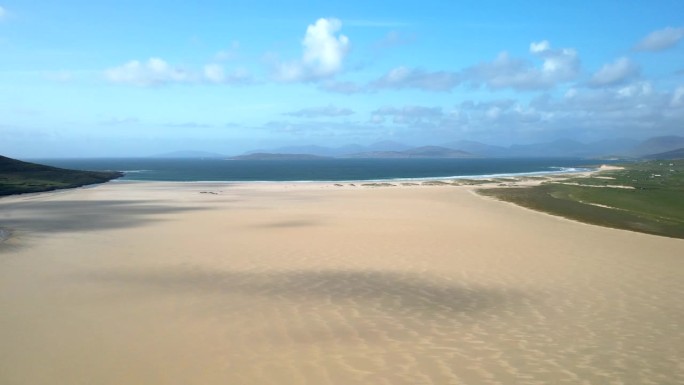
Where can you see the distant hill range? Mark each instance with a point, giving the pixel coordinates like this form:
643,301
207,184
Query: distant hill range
342,151
418,152
618,148
17,177
674,154
189,154
272,156
657,145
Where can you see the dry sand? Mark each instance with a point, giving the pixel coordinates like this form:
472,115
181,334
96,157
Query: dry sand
160,283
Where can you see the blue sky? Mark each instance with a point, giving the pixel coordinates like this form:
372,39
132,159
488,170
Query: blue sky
135,78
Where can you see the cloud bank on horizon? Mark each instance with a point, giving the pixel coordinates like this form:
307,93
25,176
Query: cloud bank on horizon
141,79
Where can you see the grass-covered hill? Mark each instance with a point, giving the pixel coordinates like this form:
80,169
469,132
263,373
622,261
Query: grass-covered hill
674,154
642,196
17,177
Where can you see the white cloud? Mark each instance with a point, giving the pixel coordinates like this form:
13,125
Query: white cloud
404,77
157,72
408,114
317,129
540,47
151,73
317,112
677,99
215,73
635,89
618,71
636,110
558,66
660,40
475,116
323,53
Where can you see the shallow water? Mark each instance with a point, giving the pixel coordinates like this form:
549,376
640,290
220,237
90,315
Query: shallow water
318,170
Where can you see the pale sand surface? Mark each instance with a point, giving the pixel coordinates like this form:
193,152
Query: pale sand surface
157,283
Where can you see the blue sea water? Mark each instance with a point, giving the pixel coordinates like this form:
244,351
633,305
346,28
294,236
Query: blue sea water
195,170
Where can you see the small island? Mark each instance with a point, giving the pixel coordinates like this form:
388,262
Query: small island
18,177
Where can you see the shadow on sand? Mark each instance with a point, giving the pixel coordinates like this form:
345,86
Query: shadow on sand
388,292
77,216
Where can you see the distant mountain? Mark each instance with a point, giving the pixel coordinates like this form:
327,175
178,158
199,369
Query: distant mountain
561,148
305,149
557,148
566,148
346,149
387,145
272,156
613,146
674,154
657,145
436,152
189,154
341,151
478,148
18,177
418,152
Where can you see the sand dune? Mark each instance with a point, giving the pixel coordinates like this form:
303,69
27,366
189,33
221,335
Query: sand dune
160,283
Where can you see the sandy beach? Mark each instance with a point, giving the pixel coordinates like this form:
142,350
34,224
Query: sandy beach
172,283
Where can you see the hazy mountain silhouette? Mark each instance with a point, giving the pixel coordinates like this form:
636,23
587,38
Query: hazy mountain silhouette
418,152
674,154
189,154
560,148
657,145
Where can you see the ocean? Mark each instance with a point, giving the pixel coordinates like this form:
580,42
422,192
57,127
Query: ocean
196,170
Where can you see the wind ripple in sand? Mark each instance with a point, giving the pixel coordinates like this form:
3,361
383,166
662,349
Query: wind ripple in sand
4,235
334,326
344,326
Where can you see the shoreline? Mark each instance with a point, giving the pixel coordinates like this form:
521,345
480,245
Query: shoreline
571,171
484,181
356,183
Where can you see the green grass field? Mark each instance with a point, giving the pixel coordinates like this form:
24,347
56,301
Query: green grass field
17,177
644,196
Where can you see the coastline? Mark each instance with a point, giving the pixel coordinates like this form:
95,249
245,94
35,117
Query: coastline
568,172
484,181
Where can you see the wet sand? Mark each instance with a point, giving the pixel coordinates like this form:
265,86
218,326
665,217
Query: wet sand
162,283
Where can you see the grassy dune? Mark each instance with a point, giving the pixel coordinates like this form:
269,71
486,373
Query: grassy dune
645,197
17,177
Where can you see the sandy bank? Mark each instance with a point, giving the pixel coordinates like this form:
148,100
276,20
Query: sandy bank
171,283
